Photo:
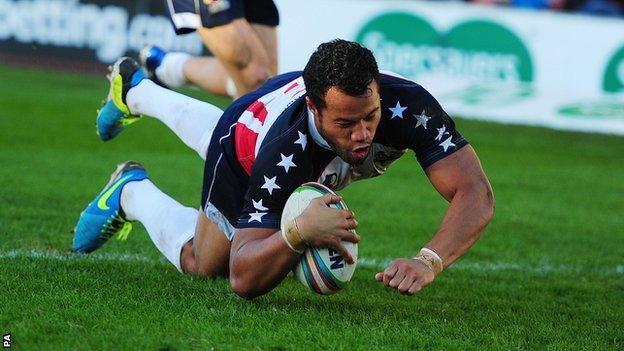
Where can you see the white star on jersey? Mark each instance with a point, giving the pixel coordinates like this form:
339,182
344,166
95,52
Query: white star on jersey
441,132
256,216
258,205
303,140
397,111
447,144
286,162
422,120
269,184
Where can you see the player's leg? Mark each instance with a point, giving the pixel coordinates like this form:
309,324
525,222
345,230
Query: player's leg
169,224
208,73
190,119
208,254
241,52
241,63
175,69
268,37
132,95
248,56
131,196
186,237
264,19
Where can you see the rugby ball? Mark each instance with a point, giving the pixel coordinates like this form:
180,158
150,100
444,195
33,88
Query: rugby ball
321,270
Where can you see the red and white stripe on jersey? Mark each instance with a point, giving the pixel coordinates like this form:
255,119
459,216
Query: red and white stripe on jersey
253,124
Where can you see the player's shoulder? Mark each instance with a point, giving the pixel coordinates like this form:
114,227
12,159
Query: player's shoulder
392,82
396,88
280,80
389,78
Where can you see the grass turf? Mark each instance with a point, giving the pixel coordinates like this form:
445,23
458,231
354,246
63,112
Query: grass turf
547,274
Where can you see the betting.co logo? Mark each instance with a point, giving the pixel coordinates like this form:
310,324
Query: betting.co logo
6,341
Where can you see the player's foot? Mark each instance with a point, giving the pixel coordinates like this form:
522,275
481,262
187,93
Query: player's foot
151,57
115,114
103,216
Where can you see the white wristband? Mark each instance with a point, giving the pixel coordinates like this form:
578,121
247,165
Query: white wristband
432,258
292,237
432,253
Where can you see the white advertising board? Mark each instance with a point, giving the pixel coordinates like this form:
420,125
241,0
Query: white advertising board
507,65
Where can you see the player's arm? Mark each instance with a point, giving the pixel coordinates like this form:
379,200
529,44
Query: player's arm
260,258
460,179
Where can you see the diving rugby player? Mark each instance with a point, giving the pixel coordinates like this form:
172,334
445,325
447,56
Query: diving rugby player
338,121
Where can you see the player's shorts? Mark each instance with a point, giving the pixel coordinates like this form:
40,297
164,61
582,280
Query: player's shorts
219,219
188,15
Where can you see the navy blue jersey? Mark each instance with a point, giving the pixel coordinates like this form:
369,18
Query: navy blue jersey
263,146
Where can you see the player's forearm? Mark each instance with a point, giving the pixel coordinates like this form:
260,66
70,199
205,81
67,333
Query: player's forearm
260,265
469,213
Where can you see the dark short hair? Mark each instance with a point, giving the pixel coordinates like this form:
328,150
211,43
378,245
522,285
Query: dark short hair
344,64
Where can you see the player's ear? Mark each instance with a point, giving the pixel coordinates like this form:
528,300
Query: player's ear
312,107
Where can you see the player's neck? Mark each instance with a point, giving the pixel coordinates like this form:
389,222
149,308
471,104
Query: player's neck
316,136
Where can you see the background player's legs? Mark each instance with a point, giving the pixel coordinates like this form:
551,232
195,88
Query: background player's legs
208,73
190,119
268,37
242,53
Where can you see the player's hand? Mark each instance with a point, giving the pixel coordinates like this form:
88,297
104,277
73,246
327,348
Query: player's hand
408,276
323,226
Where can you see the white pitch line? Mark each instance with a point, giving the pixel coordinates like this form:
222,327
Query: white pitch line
60,256
362,261
505,266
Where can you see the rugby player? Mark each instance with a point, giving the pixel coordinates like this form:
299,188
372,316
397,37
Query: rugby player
338,121
241,34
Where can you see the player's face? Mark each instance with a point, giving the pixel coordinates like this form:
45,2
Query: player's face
348,123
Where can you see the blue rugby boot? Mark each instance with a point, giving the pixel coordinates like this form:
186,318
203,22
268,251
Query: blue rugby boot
115,114
151,56
103,216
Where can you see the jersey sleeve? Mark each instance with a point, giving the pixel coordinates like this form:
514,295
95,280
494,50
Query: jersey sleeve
413,119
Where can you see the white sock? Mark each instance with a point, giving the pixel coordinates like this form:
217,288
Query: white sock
169,224
192,120
171,69
231,89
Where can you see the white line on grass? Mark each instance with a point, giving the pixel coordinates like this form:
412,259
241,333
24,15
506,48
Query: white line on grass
465,265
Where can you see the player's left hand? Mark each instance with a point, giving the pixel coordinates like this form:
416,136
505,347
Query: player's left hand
408,276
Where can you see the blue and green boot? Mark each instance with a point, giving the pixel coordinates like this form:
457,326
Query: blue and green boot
115,114
104,217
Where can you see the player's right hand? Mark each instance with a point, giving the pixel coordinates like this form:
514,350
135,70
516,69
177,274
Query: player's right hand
323,226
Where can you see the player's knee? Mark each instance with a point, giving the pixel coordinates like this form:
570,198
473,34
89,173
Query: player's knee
191,264
212,265
255,75
253,71
238,55
211,271
187,259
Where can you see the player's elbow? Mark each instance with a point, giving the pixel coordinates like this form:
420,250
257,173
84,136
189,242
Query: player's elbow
486,196
244,287
480,196
243,281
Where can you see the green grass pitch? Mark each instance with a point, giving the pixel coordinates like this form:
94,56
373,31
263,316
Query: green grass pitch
547,274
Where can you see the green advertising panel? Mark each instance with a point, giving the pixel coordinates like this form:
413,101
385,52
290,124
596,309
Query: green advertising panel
410,45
